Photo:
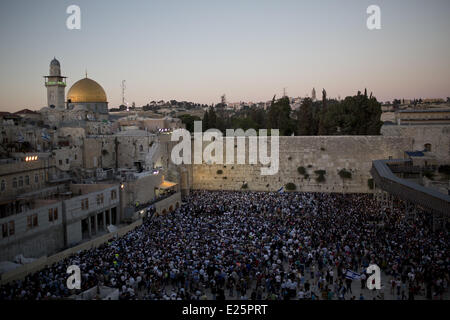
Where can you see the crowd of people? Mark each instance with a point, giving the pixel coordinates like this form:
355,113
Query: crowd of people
257,246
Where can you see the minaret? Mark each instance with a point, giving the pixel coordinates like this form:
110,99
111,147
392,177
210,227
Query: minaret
313,94
56,85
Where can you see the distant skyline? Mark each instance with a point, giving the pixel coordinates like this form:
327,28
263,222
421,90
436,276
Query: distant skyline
196,50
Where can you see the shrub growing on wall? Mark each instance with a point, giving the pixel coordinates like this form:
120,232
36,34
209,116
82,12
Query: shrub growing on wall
219,171
320,175
301,170
245,186
320,179
370,183
345,174
290,186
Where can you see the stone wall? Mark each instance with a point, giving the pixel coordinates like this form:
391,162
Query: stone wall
29,176
141,190
34,246
100,151
436,135
329,153
168,204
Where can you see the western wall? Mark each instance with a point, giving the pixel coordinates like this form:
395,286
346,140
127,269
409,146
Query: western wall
313,153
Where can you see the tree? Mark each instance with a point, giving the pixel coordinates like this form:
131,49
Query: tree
322,130
357,115
279,116
396,103
188,120
205,122
305,118
212,119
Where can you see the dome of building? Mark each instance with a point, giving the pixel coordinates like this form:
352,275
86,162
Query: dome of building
54,62
86,90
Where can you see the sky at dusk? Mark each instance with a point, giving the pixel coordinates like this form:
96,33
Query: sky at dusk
247,49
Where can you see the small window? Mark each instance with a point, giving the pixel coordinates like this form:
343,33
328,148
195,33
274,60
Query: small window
15,183
36,178
100,198
3,186
12,229
20,182
53,214
60,162
113,194
4,230
427,147
27,180
35,220
29,223
67,161
141,148
85,204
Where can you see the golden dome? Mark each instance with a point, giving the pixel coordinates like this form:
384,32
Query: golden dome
86,90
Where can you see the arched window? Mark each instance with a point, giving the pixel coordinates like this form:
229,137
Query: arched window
141,148
15,183
3,186
20,182
427,147
27,180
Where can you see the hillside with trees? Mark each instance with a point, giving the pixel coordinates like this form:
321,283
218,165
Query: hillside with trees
355,115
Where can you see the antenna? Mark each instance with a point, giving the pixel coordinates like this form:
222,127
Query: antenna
123,92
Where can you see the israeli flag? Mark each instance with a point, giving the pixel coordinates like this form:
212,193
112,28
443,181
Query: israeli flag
352,275
45,135
20,137
281,190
